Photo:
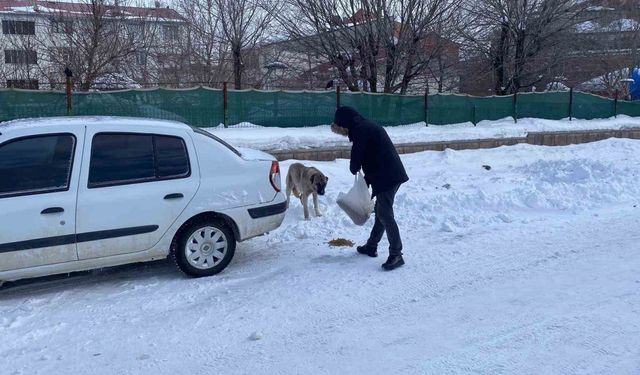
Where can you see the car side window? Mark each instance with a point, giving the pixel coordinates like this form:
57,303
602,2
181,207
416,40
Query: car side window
120,159
129,158
172,160
36,164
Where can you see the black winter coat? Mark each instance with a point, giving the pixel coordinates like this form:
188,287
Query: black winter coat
372,151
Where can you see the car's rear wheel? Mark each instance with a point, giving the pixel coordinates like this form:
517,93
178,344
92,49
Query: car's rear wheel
205,248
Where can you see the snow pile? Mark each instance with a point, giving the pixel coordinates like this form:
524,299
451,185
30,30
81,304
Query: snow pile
450,191
267,138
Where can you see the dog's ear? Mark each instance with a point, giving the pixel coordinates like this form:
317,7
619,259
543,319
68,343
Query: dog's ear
313,178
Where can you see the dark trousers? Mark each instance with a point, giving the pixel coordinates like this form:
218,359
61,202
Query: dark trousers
386,222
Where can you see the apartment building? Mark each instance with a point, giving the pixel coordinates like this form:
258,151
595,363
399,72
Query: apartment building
106,47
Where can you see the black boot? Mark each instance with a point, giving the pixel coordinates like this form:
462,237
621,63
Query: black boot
393,262
368,250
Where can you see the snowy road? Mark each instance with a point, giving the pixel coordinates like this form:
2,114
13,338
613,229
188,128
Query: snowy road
531,267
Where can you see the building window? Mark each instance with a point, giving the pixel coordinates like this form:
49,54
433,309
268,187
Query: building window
170,32
31,84
18,27
135,29
61,27
17,56
141,58
60,55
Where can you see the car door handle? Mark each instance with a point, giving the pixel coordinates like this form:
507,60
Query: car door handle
52,210
174,196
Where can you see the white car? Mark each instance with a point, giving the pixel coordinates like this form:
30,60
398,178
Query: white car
78,193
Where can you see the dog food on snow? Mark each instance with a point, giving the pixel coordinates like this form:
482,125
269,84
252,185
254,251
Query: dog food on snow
341,242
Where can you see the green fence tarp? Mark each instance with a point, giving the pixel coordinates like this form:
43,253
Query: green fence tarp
204,107
628,108
493,108
386,110
280,108
197,107
450,109
15,104
587,106
548,105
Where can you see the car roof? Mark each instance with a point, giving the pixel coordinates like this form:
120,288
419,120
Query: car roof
89,120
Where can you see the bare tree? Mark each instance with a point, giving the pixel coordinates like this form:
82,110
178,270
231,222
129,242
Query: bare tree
368,41
97,40
520,39
243,24
203,50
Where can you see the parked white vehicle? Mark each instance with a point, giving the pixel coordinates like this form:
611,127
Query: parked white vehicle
79,193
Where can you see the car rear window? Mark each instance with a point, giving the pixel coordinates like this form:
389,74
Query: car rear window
128,158
37,164
209,135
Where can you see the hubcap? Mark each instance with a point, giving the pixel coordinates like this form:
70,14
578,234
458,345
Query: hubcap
206,247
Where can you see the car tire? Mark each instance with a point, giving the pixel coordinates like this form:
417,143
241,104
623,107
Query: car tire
205,248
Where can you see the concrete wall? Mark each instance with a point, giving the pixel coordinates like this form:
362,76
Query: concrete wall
538,138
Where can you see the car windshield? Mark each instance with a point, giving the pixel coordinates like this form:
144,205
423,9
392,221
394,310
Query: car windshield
209,135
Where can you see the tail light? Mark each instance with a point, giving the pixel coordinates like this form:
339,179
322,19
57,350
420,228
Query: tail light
274,176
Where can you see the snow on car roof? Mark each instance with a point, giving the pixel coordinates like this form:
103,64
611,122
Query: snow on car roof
89,120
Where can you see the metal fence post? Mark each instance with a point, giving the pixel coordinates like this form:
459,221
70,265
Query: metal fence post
337,96
473,113
515,107
426,106
571,104
224,104
615,105
69,74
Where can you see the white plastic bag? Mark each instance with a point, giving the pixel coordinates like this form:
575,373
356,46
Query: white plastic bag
357,203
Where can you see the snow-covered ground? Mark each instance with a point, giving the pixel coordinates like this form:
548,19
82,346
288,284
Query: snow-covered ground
321,136
531,267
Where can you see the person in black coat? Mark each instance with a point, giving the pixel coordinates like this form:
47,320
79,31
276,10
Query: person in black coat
374,153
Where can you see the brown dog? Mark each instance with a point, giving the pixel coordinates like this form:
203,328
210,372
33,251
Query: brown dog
304,181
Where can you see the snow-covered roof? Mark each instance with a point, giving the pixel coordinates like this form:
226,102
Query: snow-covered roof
114,81
599,8
30,7
556,86
587,26
624,24
604,81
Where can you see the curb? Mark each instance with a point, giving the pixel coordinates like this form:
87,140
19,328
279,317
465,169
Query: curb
556,138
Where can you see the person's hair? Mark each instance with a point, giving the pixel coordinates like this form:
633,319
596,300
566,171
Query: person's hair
339,130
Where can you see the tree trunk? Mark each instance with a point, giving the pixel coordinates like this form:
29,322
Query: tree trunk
499,60
404,86
388,71
237,69
373,83
440,74
519,62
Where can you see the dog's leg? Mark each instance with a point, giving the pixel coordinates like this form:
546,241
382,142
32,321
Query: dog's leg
288,193
304,199
315,204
